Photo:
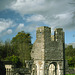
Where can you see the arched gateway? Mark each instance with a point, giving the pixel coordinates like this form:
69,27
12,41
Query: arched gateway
52,69
48,52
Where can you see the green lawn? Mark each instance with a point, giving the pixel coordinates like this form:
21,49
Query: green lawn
70,74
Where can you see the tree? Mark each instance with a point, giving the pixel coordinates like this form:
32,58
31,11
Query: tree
2,51
6,49
22,45
70,55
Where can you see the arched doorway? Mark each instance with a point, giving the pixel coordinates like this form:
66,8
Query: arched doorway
52,69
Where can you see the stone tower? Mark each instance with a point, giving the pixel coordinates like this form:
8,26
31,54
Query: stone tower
47,54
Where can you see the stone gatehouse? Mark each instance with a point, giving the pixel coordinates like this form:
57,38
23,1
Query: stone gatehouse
48,52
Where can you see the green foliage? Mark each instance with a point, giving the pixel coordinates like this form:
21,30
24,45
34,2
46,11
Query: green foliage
14,59
70,74
21,37
19,46
6,50
22,45
70,55
3,53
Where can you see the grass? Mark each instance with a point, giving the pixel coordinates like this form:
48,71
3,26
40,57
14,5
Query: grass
70,74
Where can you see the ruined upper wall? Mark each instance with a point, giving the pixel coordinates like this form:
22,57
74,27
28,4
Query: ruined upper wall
45,32
44,46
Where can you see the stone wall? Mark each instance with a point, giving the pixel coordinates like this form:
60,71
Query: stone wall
22,71
70,71
46,51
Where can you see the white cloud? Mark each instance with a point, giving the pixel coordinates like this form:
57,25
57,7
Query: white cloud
63,20
35,18
9,31
28,6
5,24
62,16
55,13
30,28
6,32
27,28
58,20
20,27
42,6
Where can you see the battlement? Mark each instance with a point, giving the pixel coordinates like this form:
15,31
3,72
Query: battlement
45,32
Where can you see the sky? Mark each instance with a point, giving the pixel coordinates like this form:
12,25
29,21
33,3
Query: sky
27,15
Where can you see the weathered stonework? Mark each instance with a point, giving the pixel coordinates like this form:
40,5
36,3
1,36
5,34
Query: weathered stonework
48,53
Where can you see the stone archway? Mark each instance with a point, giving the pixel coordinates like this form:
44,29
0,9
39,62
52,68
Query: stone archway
52,69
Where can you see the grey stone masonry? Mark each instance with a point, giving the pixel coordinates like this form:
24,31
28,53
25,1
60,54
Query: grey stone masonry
48,52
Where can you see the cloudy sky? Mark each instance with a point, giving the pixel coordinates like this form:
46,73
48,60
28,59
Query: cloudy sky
27,15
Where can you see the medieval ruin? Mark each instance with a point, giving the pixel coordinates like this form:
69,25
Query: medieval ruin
48,52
